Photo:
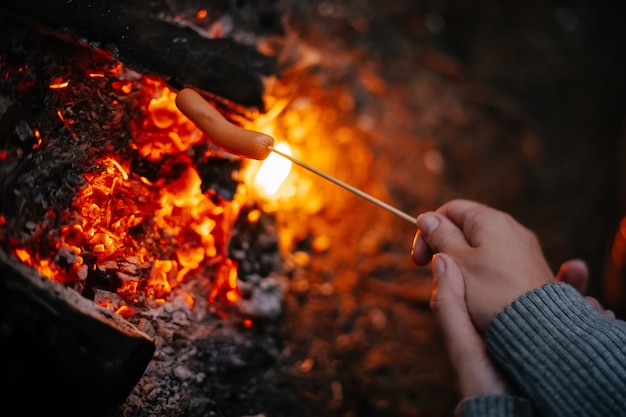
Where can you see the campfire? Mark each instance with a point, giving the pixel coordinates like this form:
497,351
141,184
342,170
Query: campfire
121,199
138,227
133,216
147,272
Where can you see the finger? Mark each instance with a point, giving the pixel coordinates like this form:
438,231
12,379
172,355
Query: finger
465,346
471,217
420,252
575,273
459,211
440,234
595,304
448,302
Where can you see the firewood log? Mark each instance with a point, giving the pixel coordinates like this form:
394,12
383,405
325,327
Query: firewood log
61,350
149,44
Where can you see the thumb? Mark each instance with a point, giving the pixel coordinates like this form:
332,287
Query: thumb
440,233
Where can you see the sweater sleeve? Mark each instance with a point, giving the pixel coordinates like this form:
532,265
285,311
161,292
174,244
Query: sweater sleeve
494,406
567,358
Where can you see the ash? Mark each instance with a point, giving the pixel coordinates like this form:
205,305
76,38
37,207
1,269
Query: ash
207,363
211,359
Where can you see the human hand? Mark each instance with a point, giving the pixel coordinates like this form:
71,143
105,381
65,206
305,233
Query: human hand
466,348
498,258
475,372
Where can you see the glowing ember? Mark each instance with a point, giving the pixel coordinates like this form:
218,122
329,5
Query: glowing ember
58,83
147,216
226,282
140,236
38,143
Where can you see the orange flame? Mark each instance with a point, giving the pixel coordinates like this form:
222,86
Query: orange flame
226,282
184,228
146,234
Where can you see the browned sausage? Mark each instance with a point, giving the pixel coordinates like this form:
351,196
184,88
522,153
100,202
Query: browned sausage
231,138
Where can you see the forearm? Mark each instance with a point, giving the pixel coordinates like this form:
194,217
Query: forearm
567,358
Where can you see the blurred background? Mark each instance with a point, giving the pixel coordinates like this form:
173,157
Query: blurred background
517,104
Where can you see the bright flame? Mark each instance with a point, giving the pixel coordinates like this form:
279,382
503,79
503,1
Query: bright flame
145,221
274,170
145,234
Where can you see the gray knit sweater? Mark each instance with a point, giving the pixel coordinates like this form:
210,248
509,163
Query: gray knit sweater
565,358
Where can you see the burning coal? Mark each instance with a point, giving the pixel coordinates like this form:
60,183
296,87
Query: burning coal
146,217
143,199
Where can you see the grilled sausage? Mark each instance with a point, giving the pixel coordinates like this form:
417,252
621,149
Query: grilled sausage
231,138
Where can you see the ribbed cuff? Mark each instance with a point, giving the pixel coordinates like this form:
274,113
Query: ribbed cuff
494,406
566,357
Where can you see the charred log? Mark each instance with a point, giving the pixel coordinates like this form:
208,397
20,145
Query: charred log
150,42
74,356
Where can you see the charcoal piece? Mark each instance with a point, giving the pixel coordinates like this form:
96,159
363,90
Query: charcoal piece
169,168
150,45
96,279
62,352
254,245
25,136
10,113
219,176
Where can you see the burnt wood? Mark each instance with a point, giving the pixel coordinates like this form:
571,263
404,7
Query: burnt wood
61,353
138,33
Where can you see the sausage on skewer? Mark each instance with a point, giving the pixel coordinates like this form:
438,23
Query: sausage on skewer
231,138
251,144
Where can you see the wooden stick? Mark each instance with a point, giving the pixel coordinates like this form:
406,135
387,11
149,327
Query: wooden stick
348,187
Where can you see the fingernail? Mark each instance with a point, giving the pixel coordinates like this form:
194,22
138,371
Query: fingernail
439,265
427,223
